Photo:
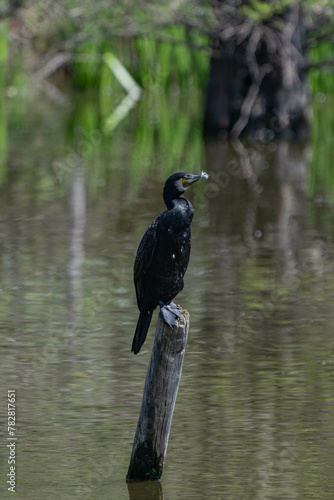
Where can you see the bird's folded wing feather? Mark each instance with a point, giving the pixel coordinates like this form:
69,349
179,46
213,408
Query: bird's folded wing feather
144,256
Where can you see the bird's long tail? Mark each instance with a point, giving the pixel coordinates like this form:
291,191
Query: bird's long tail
143,324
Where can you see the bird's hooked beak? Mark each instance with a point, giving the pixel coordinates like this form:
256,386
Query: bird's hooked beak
191,179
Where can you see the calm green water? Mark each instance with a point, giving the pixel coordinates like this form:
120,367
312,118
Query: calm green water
255,411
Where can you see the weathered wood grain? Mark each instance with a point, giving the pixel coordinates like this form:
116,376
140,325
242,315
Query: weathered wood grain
161,387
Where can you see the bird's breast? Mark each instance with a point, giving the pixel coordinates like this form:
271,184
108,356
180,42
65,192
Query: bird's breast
175,245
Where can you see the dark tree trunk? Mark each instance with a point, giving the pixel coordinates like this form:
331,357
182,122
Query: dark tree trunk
259,86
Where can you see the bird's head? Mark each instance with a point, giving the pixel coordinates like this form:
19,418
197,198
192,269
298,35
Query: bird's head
178,183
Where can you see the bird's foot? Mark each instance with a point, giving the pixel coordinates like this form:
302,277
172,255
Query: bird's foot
170,313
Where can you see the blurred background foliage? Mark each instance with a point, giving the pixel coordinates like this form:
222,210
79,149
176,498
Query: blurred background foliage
57,48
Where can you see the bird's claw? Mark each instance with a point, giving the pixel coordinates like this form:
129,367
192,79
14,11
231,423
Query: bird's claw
170,313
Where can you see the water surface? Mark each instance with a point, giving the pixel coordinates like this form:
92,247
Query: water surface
254,417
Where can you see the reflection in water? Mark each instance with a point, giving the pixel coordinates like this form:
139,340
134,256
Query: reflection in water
255,188
292,173
147,490
254,414
77,213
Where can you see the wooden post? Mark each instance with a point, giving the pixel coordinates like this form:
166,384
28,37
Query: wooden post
156,414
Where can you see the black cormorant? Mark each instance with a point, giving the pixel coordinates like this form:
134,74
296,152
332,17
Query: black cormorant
163,255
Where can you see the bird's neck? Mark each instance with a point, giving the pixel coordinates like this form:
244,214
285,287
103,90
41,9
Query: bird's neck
172,197
173,201
182,207
169,199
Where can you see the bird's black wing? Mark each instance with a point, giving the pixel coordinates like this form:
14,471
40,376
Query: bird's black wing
144,258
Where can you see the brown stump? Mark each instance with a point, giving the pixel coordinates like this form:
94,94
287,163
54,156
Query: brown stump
156,414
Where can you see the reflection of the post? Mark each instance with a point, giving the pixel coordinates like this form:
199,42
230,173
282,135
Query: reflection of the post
145,490
77,217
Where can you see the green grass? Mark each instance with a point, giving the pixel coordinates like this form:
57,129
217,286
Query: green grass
322,84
